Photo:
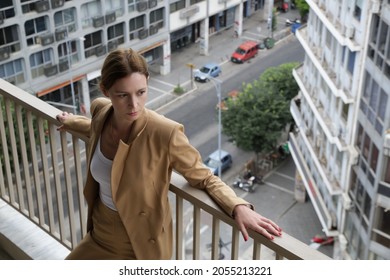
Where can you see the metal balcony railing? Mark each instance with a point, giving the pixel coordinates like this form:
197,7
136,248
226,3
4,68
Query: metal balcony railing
42,172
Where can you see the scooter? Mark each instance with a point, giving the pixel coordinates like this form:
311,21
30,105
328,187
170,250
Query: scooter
247,185
291,22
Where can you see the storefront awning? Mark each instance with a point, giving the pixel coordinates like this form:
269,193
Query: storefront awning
56,87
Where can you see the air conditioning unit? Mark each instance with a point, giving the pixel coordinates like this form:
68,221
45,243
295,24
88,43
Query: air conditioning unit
98,21
50,70
42,6
61,34
100,50
47,39
112,45
57,3
153,29
143,33
5,53
63,65
152,3
110,17
349,32
90,52
347,202
386,143
142,6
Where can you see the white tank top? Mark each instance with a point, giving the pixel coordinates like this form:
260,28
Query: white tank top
101,172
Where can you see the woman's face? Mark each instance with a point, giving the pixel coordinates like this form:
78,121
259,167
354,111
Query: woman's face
128,96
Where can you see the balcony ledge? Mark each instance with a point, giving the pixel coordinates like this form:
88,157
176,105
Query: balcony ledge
23,240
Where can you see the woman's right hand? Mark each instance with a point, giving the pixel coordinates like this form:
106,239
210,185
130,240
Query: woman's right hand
61,118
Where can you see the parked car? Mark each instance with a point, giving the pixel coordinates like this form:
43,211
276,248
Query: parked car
245,51
209,70
213,161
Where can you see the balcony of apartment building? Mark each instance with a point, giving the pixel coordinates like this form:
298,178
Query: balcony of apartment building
42,209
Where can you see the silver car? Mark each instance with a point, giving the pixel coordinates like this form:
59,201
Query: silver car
209,70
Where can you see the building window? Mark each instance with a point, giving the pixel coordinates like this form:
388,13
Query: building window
374,103
192,2
6,9
135,25
66,19
351,62
157,17
174,7
34,27
89,11
9,38
386,177
67,51
374,157
92,41
358,9
115,34
28,6
13,72
382,226
131,5
39,60
114,6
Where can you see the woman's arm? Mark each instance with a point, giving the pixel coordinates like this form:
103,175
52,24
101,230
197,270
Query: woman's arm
76,123
187,161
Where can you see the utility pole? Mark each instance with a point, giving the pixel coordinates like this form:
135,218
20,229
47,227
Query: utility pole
217,84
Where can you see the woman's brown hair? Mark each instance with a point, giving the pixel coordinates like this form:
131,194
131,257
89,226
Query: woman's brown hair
120,63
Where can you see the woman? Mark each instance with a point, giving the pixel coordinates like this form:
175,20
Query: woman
132,152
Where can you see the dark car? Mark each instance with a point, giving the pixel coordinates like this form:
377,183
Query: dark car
218,158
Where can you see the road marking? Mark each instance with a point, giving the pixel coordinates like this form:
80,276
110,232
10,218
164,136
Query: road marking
249,38
162,82
205,135
256,34
285,176
156,89
279,188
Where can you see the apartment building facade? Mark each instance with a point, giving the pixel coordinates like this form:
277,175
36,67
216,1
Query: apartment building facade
55,48
342,112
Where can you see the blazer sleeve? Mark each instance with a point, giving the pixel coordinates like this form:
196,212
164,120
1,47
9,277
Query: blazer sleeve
82,124
78,124
187,161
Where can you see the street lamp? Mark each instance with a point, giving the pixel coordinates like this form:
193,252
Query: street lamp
68,49
217,84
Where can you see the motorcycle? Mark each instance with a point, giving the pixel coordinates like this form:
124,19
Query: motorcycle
291,22
248,185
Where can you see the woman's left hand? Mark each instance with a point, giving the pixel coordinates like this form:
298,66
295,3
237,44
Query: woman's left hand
246,219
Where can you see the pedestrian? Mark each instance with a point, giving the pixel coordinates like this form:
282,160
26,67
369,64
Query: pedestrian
132,152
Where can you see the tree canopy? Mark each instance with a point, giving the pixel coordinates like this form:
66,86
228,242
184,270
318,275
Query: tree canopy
256,118
303,8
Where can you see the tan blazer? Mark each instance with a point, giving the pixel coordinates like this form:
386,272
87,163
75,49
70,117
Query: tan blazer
141,174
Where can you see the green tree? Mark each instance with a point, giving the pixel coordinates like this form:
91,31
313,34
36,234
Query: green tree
280,79
255,120
303,8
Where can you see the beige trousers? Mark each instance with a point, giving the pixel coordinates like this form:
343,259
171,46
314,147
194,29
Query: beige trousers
108,239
